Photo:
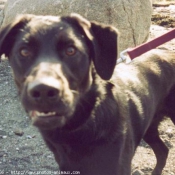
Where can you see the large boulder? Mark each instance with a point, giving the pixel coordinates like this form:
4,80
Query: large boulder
2,3
132,18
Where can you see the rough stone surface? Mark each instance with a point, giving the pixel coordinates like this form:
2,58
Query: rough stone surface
2,4
131,17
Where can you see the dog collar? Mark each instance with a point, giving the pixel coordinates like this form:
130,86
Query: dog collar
139,50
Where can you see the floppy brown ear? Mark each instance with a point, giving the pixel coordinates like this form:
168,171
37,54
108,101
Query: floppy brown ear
8,33
104,39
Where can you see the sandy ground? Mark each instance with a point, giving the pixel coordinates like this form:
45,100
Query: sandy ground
22,149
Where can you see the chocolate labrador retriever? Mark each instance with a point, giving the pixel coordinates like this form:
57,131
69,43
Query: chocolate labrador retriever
91,113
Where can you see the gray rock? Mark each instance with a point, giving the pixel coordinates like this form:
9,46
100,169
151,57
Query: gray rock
132,18
2,4
18,132
137,172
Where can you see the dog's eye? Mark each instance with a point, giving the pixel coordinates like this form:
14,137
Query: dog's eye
70,51
25,52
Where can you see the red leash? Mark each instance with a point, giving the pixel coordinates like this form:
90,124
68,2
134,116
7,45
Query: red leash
139,50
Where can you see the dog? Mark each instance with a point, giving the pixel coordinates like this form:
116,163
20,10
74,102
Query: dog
91,113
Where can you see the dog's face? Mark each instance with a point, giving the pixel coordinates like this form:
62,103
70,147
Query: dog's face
51,65
51,58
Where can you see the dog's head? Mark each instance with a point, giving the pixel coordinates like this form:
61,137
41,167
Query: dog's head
51,58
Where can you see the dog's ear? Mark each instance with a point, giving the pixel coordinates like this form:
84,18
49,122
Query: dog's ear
8,33
104,39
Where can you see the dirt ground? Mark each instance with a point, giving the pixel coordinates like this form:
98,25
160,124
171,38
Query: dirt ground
22,150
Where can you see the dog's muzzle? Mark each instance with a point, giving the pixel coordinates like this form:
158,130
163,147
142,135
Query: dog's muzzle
49,102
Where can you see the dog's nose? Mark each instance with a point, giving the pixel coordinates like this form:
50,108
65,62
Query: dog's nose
43,90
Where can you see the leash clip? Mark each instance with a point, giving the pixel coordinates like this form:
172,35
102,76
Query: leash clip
124,57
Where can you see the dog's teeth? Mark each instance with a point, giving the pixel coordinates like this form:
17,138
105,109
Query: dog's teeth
38,113
45,114
41,114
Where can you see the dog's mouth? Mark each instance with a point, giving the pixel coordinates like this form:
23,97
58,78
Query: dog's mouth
34,114
48,120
